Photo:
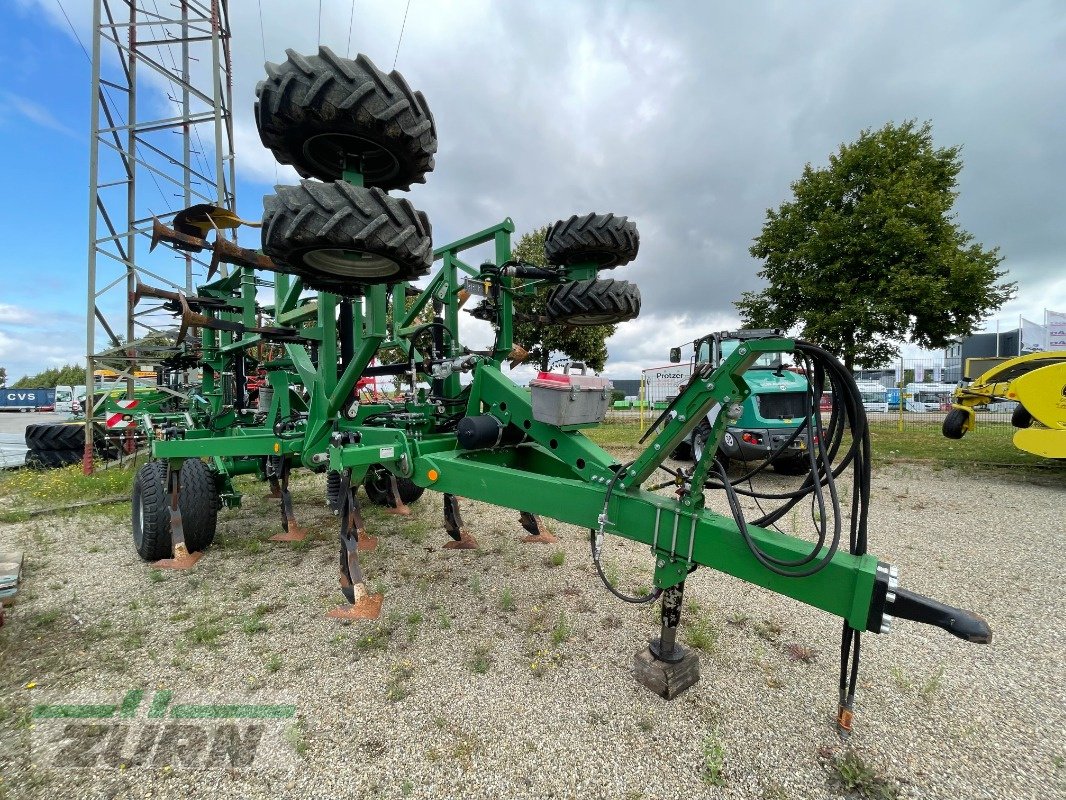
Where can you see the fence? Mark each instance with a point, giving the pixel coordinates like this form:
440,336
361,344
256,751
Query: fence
906,394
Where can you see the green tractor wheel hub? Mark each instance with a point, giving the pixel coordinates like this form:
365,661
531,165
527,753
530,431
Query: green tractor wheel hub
350,263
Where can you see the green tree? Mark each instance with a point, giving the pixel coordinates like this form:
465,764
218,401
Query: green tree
69,375
868,254
3,377
580,343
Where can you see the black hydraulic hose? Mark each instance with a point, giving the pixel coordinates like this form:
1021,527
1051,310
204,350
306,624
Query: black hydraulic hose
652,596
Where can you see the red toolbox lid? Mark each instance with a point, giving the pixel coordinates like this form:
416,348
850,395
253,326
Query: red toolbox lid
564,382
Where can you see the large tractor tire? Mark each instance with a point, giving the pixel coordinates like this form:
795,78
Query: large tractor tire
1021,418
338,237
593,302
954,423
52,459
601,239
376,485
314,112
56,436
198,499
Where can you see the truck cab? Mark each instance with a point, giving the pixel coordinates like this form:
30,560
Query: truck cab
776,407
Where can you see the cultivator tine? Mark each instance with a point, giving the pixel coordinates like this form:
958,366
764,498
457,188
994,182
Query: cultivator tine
362,604
292,531
226,252
180,241
275,488
182,558
538,531
396,503
355,518
453,523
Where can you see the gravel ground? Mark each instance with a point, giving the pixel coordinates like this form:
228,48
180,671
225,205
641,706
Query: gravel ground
503,673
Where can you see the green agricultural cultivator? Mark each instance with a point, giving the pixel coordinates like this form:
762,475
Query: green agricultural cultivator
342,254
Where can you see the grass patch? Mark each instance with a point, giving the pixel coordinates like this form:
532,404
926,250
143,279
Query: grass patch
713,772
396,688
562,631
507,601
858,778
556,559
206,632
481,659
701,635
46,487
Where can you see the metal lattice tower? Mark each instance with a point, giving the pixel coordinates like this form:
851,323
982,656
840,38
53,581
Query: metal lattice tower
161,140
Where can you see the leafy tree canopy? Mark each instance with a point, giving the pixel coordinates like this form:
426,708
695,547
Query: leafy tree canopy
867,254
69,375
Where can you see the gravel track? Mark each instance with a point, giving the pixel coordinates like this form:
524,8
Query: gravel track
485,704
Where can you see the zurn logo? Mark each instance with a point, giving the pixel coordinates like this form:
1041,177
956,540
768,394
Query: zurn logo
127,731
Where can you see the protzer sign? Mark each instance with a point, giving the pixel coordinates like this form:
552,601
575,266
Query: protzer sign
662,384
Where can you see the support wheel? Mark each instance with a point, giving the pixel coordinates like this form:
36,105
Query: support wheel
376,485
1020,418
601,239
314,112
337,236
954,423
593,302
198,499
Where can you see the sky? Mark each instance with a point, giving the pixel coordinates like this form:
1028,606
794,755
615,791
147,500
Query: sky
690,118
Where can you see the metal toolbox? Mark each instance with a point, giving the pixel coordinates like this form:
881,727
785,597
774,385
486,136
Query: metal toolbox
570,400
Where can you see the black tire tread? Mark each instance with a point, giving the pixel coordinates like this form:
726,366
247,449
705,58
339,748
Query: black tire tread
1021,418
199,502
321,94
570,302
197,497
606,240
954,422
339,215
55,436
150,490
52,459
409,490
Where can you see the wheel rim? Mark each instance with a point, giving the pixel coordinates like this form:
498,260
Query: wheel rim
329,151
697,447
594,319
377,481
350,263
138,521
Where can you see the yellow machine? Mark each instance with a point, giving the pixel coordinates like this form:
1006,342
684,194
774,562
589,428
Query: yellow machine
1037,382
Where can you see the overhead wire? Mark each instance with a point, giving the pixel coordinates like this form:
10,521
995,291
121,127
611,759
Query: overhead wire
402,27
113,108
351,21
